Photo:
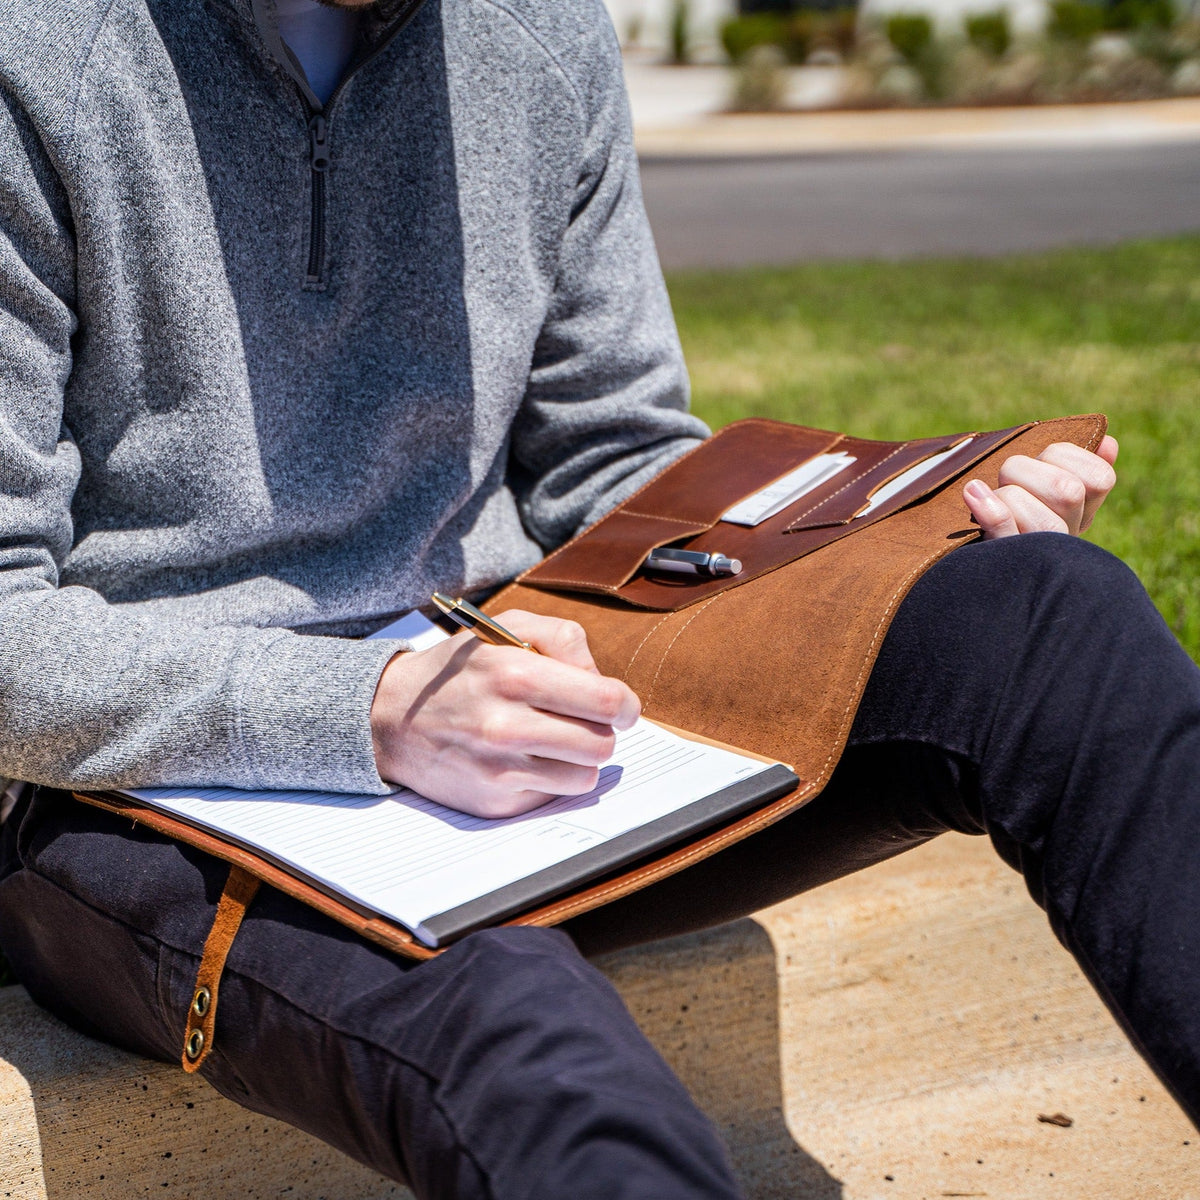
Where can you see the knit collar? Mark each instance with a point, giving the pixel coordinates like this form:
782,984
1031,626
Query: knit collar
378,22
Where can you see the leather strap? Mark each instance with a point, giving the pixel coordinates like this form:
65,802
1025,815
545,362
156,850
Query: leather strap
240,889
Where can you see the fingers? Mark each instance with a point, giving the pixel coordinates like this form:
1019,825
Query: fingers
1059,491
1094,471
1047,488
565,641
991,514
1011,510
512,733
551,686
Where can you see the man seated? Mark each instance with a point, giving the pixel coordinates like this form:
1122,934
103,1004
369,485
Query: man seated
307,312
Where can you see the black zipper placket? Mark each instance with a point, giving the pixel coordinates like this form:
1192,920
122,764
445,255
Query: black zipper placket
319,161
318,150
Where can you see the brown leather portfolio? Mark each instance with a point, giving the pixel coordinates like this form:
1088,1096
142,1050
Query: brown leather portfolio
775,659
772,660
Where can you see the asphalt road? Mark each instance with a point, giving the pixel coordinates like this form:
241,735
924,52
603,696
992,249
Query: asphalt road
917,203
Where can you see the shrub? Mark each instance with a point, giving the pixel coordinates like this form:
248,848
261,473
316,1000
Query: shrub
809,31
989,32
1075,20
842,29
797,34
911,34
761,84
1139,14
739,35
680,35
801,34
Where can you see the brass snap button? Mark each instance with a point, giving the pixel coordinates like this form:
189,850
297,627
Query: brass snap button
202,1001
195,1045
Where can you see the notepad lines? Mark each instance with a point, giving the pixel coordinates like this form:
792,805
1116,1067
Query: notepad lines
432,849
408,857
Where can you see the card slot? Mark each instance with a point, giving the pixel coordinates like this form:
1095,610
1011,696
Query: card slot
883,463
694,490
956,465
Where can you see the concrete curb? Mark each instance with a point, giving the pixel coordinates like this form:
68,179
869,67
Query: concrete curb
726,135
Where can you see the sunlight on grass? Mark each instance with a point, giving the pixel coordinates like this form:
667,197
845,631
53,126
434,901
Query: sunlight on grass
911,349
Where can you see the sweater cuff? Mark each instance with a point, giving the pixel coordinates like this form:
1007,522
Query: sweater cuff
303,712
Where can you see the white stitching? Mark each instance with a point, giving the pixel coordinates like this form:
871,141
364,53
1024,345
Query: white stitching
702,607
850,484
654,629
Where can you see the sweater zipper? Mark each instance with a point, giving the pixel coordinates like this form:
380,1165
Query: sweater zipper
319,161
318,151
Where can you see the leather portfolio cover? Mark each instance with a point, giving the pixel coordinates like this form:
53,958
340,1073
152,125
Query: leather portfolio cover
772,661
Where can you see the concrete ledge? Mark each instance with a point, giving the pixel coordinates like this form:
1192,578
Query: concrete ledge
78,1119
896,1035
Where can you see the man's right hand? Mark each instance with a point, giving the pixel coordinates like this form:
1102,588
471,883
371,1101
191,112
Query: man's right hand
496,731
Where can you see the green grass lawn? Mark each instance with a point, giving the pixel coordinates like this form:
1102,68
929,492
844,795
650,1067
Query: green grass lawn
896,350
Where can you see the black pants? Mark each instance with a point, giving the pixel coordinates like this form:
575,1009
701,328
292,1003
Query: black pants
1027,690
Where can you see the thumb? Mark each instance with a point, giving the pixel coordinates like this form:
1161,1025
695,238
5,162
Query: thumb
992,515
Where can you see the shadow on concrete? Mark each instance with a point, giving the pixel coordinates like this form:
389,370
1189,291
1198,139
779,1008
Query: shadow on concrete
83,1119
710,1003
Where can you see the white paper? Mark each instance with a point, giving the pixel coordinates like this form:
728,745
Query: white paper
410,859
775,497
415,628
897,485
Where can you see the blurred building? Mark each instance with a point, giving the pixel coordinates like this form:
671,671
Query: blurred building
646,25
1025,16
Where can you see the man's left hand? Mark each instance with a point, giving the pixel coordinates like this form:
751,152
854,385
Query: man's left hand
1059,491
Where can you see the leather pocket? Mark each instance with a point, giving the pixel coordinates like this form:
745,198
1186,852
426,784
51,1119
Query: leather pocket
685,501
880,463
683,507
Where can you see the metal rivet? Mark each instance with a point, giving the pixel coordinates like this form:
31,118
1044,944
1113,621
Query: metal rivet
202,1001
195,1045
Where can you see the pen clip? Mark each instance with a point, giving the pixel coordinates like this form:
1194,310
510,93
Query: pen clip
464,613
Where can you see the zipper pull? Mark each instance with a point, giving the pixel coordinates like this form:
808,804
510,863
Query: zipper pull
318,149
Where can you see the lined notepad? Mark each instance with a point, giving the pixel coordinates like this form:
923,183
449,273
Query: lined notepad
413,860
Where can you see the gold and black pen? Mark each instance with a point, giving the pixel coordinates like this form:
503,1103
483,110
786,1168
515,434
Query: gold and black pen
479,623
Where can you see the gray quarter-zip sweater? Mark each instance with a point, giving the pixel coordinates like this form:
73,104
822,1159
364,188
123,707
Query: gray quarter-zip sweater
270,375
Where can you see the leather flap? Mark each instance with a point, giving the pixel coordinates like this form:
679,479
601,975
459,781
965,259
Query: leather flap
684,505
686,500
878,463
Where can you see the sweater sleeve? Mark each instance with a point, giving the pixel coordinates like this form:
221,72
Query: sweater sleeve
94,695
606,405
